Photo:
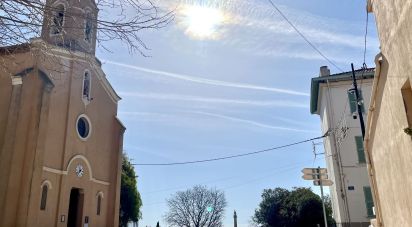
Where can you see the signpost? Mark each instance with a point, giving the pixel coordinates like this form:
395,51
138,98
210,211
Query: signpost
322,182
320,178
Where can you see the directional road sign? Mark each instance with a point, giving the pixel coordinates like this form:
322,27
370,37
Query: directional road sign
324,182
313,170
315,176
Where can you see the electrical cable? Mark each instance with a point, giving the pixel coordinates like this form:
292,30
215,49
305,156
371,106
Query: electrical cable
231,156
277,172
364,66
271,170
303,36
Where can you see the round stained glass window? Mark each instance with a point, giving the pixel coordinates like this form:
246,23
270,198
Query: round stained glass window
83,127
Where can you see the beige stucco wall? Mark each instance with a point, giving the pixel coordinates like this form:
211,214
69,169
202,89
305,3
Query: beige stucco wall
48,147
390,147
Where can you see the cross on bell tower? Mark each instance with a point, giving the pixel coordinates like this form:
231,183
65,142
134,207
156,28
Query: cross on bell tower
71,24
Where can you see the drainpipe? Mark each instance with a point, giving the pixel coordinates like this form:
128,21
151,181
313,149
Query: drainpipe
371,170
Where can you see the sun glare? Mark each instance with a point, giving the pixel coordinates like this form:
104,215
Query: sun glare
202,22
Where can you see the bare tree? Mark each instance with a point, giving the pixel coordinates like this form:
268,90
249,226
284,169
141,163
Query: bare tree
196,207
22,20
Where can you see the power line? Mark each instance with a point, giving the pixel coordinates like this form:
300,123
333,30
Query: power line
271,170
231,156
366,36
364,66
303,36
277,172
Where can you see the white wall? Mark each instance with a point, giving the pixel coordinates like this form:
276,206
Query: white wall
342,160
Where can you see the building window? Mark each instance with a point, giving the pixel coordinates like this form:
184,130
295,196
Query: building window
86,87
43,201
88,28
83,127
57,19
99,204
368,201
407,101
360,149
353,103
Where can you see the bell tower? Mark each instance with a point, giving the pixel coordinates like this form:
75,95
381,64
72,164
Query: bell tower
71,24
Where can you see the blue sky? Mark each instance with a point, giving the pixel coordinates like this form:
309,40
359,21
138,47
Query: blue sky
242,88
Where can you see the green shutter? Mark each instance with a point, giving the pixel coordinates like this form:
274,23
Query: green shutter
352,101
368,201
360,149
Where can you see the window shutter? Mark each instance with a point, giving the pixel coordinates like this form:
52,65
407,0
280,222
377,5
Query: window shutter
368,201
360,149
352,101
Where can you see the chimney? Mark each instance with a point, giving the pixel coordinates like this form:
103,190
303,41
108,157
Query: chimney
324,71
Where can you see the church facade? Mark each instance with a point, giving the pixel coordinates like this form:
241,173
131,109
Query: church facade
60,138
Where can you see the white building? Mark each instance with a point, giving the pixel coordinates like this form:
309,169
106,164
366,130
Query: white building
333,99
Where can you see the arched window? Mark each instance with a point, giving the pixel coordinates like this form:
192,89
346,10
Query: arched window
57,19
43,201
88,28
86,86
99,204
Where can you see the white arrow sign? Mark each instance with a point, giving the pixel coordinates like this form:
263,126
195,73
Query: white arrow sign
313,170
315,176
324,182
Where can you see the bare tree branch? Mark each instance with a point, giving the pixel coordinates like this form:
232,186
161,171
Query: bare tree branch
196,207
22,20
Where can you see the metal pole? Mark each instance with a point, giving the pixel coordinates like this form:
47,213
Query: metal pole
359,105
323,201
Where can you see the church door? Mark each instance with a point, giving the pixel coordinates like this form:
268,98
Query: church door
75,208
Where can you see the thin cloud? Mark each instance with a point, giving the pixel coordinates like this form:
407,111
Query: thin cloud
205,81
188,98
256,28
254,123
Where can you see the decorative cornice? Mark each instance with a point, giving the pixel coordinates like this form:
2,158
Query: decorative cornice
66,172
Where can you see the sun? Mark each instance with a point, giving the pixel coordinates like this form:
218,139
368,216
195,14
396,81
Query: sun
202,22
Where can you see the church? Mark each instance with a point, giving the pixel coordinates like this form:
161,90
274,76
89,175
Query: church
60,138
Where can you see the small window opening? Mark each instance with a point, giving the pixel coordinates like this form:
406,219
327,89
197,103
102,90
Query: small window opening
86,86
58,19
83,127
88,28
407,101
99,203
43,197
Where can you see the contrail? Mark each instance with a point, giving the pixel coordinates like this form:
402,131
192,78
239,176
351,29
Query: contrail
208,81
176,97
258,124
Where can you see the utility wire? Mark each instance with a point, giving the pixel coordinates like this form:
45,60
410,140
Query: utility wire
231,156
282,170
303,36
366,36
364,66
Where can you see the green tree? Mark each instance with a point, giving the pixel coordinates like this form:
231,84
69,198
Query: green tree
157,225
130,201
283,208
